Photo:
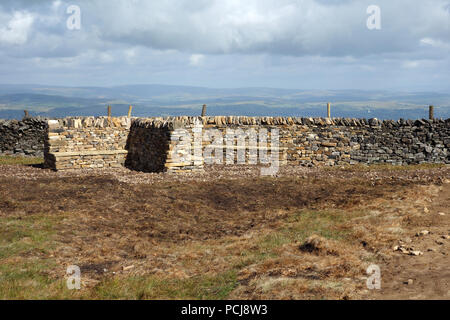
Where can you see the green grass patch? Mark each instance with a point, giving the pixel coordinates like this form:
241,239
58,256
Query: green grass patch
297,228
23,273
23,235
305,223
204,287
30,280
11,160
325,223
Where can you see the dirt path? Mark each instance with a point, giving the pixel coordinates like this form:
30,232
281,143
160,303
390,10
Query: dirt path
426,276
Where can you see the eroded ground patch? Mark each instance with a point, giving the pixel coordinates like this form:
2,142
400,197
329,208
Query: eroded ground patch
138,236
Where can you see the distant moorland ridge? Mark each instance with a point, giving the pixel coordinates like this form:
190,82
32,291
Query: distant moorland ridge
164,100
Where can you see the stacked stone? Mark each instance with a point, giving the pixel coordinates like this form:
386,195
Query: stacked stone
185,149
148,144
164,144
242,129
406,142
159,144
76,143
23,138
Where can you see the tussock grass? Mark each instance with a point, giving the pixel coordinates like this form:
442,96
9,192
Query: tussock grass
296,228
154,287
10,160
21,235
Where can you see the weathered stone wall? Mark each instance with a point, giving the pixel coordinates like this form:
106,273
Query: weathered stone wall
302,141
22,138
340,141
405,142
160,144
74,143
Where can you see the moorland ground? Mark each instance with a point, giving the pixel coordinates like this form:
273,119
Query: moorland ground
227,233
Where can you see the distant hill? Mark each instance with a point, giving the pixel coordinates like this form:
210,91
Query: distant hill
165,100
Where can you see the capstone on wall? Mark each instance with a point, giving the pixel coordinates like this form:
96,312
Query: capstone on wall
76,143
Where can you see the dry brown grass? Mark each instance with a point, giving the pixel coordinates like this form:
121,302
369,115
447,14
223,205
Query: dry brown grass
238,238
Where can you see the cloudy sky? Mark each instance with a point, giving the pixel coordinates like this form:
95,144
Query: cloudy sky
302,44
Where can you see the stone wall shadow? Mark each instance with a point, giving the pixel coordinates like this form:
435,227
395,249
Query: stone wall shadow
147,148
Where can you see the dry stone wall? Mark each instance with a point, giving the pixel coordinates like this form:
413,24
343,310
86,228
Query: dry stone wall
405,142
160,144
148,145
76,143
22,138
302,141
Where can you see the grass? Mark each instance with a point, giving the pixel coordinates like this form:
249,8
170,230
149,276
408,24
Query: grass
22,235
268,257
107,219
23,274
12,160
325,223
153,287
30,280
298,227
25,266
305,223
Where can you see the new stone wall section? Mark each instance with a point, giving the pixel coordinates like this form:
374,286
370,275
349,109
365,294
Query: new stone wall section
23,138
160,144
75,143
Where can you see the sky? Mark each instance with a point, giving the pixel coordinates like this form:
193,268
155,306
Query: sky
298,44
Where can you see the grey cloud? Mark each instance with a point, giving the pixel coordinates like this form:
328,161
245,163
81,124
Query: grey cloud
290,42
279,27
284,27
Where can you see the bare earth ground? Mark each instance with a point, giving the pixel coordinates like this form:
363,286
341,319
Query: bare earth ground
227,233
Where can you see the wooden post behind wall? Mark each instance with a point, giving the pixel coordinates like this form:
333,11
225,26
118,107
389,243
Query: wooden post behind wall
109,115
204,111
130,108
431,113
328,110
